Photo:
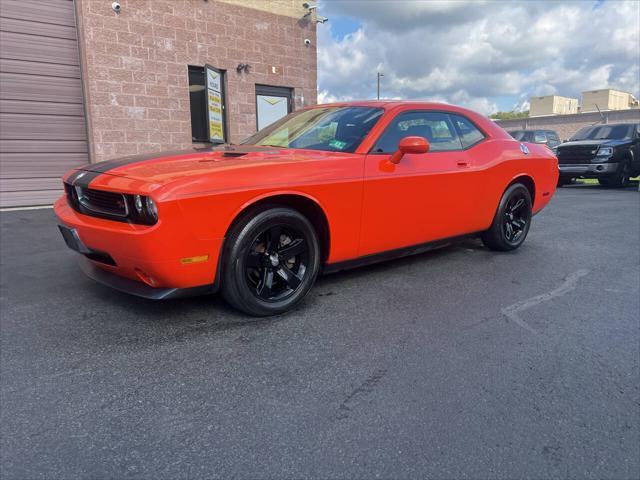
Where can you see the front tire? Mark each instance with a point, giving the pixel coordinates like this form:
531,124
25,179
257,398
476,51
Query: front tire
619,180
512,220
271,260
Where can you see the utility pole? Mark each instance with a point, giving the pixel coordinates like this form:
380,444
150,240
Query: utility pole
379,75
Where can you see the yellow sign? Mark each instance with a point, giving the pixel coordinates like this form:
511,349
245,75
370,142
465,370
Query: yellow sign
215,107
216,131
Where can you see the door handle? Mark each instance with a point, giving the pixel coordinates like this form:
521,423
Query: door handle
462,164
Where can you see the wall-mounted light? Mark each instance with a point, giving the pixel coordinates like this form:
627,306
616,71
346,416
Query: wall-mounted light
115,6
243,67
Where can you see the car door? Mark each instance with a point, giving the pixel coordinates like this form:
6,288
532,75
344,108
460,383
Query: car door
424,197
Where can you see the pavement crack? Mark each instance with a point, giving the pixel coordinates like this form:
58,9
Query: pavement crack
512,311
362,390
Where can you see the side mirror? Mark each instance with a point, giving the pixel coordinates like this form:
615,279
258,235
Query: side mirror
410,145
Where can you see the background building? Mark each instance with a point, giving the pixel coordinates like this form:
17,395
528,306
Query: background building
567,125
80,82
552,105
607,99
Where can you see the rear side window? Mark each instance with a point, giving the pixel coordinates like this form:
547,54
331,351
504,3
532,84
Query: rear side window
436,127
539,137
468,132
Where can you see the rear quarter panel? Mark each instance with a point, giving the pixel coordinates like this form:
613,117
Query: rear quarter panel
498,162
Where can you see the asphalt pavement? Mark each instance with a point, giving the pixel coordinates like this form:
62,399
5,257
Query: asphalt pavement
459,363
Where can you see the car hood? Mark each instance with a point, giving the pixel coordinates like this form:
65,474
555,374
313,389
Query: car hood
165,167
594,143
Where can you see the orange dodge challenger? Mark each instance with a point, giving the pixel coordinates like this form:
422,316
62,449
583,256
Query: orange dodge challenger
326,188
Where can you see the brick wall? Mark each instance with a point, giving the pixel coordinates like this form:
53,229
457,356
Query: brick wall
567,125
135,67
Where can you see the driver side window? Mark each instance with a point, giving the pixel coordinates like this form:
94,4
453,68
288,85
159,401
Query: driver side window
436,127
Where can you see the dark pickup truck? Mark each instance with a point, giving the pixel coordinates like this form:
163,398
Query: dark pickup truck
610,153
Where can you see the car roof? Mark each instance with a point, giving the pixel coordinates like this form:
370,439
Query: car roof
391,104
486,125
628,124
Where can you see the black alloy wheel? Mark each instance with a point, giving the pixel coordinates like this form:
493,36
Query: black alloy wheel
271,260
276,263
515,217
512,220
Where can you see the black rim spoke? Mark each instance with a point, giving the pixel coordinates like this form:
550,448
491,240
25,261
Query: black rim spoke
515,218
273,241
296,247
517,205
276,262
291,278
266,283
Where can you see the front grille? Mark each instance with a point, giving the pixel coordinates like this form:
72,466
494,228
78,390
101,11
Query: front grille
97,202
576,153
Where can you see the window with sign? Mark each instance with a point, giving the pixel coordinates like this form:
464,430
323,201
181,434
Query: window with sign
272,103
207,102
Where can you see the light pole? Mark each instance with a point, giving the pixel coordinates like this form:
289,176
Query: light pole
379,75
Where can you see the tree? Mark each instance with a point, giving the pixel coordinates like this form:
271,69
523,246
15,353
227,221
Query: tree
509,115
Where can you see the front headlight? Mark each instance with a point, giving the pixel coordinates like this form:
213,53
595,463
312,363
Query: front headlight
145,211
605,151
152,209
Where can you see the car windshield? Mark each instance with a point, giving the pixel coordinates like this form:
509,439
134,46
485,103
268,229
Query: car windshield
520,135
335,129
604,132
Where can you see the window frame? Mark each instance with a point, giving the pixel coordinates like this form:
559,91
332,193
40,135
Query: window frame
273,91
475,125
420,110
201,70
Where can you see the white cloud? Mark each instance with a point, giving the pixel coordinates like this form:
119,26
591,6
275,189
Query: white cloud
485,56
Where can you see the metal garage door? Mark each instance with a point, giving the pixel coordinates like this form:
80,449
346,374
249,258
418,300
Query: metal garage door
42,126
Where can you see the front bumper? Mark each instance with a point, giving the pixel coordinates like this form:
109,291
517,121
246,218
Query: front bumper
155,257
587,169
139,289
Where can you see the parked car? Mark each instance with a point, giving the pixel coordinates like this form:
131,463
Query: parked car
548,137
610,153
326,188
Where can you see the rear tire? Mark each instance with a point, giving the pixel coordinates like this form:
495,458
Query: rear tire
512,220
271,260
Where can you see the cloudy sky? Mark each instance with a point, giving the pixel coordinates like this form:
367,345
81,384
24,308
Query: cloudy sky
486,55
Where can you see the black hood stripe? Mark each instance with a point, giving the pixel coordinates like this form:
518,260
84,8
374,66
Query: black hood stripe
82,178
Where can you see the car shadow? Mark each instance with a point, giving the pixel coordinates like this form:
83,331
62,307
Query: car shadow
210,313
579,185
